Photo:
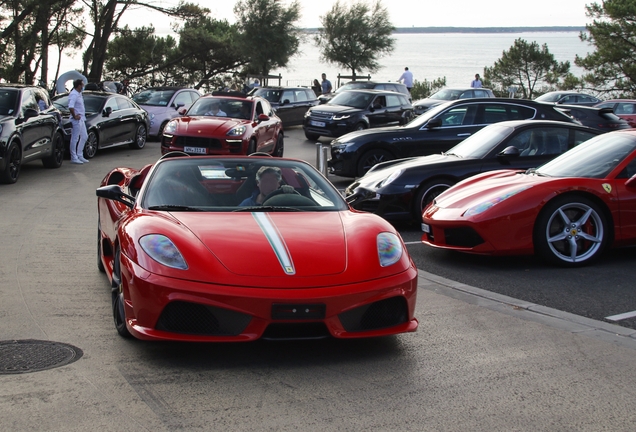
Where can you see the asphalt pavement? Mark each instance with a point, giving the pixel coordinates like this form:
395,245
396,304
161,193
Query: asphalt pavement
479,360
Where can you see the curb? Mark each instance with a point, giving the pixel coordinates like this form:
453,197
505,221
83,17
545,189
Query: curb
529,311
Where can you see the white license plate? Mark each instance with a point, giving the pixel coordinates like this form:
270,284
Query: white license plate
196,150
317,124
426,228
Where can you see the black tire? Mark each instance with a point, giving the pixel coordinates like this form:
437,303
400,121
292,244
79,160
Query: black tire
427,193
251,147
13,163
91,146
100,264
141,135
280,146
311,136
119,314
569,221
161,128
360,126
57,153
371,158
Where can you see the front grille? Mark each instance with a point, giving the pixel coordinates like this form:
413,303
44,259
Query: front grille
291,331
377,315
462,237
320,116
187,141
195,318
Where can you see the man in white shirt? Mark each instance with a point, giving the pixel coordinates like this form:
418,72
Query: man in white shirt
407,77
78,122
476,83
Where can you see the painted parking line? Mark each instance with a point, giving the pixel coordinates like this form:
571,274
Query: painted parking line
622,316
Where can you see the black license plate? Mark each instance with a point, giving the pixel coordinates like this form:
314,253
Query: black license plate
284,311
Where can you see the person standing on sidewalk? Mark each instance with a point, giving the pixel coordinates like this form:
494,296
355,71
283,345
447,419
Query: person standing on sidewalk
407,78
78,122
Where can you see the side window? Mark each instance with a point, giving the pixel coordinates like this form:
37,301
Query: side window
454,116
480,93
629,171
301,95
288,96
580,136
379,102
393,101
28,101
522,142
624,108
381,87
183,99
194,95
112,104
124,103
568,100
466,95
556,140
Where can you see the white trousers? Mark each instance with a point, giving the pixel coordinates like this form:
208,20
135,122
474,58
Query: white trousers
78,138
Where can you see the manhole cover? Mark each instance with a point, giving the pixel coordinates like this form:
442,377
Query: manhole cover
24,356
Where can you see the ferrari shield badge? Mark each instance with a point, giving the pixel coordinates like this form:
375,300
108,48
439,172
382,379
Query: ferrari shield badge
607,187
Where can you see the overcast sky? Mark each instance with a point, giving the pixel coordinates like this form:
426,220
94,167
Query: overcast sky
418,13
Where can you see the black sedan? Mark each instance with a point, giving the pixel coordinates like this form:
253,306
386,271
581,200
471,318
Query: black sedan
401,189
29,130
449,94
111,120
355,110
289,103
435,131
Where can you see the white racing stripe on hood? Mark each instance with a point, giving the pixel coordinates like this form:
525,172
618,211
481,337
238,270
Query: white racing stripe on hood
276,241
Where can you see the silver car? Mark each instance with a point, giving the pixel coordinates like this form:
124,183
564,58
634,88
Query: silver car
163,104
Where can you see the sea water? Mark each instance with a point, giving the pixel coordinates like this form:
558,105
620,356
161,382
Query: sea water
456,56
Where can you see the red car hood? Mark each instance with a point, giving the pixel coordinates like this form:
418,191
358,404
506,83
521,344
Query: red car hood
193,126
262,244
492,187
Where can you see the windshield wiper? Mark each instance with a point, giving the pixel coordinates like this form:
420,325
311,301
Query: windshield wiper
171,207
267,208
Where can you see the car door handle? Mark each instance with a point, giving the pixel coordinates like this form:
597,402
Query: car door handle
464,134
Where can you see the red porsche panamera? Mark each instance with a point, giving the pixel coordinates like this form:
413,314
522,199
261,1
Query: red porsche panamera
204,248
567,211
225,124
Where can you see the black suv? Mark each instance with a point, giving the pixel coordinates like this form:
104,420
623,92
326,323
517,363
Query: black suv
367,85
289,103
355,110
435,131
29,130
602,119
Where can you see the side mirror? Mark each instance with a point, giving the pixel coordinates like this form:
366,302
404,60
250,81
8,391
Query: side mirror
286,101
434,123
182,111
179,105
107,111
115,193
30,113
263,117
509,151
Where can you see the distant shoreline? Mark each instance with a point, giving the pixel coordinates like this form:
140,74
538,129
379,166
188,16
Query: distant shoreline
483,30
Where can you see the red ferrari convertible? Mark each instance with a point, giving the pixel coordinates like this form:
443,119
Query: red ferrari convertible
567,211
210,248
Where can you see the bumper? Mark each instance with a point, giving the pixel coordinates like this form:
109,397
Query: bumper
203,146
391,207
160,308
330,128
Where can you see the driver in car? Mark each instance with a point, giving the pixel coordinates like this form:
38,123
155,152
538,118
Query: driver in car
267,181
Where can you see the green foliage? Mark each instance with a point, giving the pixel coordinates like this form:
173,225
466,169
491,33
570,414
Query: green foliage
423,89
612,67
355,37
527,67
268,33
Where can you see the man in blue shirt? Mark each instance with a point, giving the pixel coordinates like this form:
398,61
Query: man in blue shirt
326,85
407,77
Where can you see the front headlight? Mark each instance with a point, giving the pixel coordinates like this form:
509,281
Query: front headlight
171,127
391,178
341,117
482,207
389,248
239,130
161,249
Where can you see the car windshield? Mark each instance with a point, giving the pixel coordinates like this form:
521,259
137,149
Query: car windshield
222,107
92,103
549,97
355,86
447,94
482,142
269,95
225,185
352,99
595,158
154,97
8,101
